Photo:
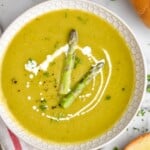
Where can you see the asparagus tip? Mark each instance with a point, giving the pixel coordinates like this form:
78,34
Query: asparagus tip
73,37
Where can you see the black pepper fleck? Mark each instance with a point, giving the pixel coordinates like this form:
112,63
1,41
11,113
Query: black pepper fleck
54,107
14,81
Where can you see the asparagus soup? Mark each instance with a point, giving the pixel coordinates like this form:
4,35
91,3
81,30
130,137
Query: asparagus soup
67,76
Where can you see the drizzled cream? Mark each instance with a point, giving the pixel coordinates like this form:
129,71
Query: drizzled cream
33,68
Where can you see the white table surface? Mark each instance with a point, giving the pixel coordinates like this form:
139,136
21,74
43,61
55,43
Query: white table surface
10,9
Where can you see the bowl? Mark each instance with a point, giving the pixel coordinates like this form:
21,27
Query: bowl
126,33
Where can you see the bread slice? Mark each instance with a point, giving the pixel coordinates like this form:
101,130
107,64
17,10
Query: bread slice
143,9
140,5
140,143
146,17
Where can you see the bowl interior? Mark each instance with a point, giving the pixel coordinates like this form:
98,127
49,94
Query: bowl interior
135,51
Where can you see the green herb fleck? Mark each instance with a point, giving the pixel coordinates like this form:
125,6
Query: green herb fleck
30,59
56,45
148,77
46,38
44,101
77,61
58,116
37,19
61,115
81,19
115,148
43,104
148,88
42,107
55,82
141,112
45,89
136,129
52,63
46,74
108,97
66,15
123,89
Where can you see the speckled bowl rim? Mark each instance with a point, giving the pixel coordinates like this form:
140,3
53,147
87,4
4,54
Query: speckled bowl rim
136,52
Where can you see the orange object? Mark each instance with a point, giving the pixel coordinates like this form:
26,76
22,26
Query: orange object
140,143
143,9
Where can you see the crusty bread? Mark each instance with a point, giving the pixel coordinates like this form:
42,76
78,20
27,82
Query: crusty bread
146,17
140,143
143,9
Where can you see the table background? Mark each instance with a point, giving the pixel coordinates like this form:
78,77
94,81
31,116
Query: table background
10,9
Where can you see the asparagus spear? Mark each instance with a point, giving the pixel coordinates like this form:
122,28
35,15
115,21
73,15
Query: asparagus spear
67,100
69,63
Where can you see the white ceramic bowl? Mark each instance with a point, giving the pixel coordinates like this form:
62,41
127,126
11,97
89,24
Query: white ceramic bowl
135,51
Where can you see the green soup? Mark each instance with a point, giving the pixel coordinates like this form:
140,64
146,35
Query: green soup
33,98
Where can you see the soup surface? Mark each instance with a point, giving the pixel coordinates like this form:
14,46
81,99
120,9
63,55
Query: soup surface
32,93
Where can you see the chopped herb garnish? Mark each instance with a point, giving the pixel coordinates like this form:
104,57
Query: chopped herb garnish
60,115
54,107
56,45
43,107
30,59
136,129
55,82
46,74
37,19
52,63
14,81
66,15
46,38
148,77
115,148
108,97
123,89
81,19
42,104
77,61
45,89
43,101
148,88
141,112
